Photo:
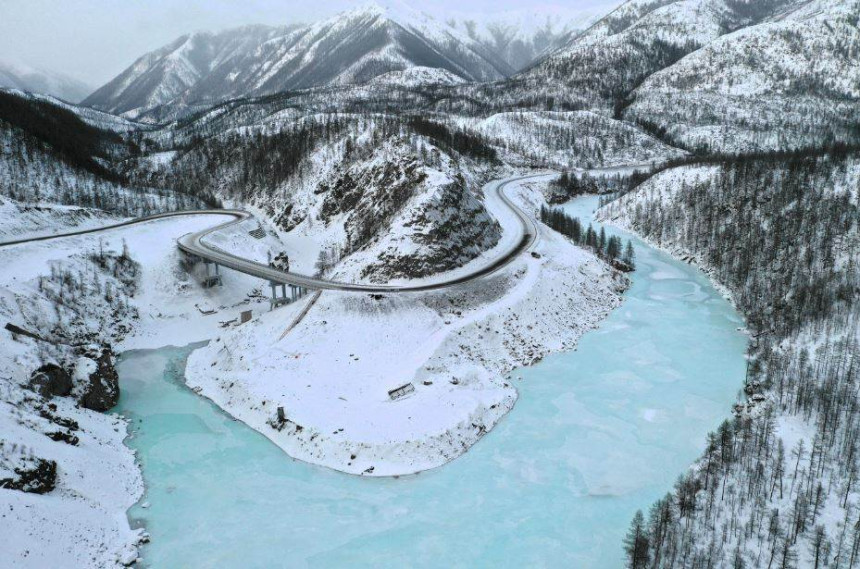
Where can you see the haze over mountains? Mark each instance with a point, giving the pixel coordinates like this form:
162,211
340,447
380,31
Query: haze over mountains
16,75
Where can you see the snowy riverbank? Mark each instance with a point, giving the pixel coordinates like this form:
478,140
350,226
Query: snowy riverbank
331,374
82,522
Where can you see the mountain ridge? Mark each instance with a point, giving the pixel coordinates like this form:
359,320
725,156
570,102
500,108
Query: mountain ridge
352,47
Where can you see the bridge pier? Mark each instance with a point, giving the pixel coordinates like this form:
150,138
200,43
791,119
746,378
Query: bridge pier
212,279
296,292
276,300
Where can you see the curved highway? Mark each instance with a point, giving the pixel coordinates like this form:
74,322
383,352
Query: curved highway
192,243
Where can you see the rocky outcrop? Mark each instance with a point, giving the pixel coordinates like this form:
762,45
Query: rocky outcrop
50,380
97,380
449,228
371,197
38,477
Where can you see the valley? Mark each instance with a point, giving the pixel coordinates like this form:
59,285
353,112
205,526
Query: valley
399,287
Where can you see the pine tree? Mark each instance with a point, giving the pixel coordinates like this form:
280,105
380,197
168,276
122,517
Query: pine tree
818,545
613,247
636,544
629,256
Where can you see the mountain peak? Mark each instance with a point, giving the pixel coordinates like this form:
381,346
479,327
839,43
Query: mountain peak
353,47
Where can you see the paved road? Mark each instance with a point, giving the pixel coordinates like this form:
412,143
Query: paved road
192,243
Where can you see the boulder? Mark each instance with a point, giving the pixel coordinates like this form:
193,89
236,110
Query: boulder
50,380
98,381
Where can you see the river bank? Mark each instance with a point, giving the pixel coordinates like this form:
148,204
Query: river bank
596,434
453,349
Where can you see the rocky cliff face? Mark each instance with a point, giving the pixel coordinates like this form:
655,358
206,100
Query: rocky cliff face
449,227
97,381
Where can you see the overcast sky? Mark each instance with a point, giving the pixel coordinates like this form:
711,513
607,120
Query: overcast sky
94,40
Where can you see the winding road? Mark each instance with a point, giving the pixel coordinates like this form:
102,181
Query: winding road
193,243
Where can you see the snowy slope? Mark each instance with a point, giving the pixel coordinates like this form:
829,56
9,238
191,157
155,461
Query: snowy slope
575,139
791,81
23,221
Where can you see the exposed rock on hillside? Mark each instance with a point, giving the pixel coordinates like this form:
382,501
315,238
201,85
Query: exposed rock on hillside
50,380
97,380
448,228
35,475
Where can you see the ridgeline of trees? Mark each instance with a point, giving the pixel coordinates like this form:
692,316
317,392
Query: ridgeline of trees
608,248
457,139
74,141
568,185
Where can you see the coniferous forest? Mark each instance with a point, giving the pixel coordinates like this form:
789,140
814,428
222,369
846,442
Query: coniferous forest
609,248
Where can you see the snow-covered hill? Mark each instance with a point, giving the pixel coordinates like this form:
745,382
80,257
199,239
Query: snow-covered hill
25,78
610,59
56,153
353,47
395,196
789,82
724,75
565,140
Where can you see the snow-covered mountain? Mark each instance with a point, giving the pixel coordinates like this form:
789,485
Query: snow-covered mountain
26,78
523,36
602,65
350,48
788,82
727,75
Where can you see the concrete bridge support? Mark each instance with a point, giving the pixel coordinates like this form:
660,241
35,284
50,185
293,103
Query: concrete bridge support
296,292
212,278
277,300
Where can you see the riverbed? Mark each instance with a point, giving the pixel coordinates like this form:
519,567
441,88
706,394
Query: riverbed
596,434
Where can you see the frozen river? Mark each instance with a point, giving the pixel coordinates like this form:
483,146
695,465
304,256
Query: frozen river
595,435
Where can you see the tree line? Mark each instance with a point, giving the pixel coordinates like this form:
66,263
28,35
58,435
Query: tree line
609,248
